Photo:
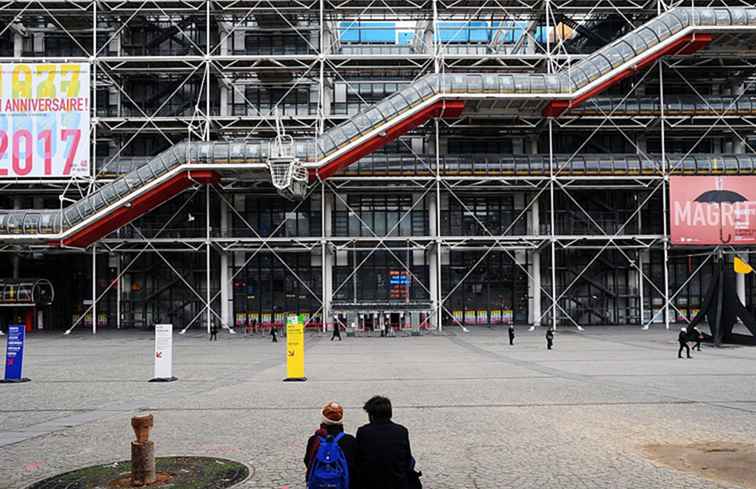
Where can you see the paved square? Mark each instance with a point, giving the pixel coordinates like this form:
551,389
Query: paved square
481,414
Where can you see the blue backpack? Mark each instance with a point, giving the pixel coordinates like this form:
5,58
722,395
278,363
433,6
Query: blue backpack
329,468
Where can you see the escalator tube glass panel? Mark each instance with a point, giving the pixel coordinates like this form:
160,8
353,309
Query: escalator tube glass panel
602,64
47,223
145,175
506,84
704,16
362,122
98,200
15,223
660,28
538,84
745,163
31,223
704,166
490,84
236,153
730,165
522,83
553,84
687,166
220,154
591,165
722,17
605,165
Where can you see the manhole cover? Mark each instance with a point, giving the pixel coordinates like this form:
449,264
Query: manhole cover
176,473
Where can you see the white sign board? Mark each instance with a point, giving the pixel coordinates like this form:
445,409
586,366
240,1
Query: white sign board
44,120
163,351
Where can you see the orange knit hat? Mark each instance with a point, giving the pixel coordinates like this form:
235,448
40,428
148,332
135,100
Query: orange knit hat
332,413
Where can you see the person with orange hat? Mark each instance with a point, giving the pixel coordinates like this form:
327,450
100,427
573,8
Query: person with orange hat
331,431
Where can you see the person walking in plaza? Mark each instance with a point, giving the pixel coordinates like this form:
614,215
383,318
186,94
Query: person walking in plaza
697,336
273,333
682,338
511,334
384,457
331,432
336,330
549,338
214,331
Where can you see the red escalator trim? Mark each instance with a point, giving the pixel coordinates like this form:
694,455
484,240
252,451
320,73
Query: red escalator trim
685,45
139,206
450,109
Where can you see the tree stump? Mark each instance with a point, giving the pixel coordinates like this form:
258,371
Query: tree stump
143,463
142,452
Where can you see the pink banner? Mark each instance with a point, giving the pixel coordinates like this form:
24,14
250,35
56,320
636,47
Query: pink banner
712,210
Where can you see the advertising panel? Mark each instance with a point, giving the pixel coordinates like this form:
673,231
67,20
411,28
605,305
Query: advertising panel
712,210
14,353
164,352
44,120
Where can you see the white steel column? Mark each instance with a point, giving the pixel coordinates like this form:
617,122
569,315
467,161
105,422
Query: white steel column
534,281
119,282
227,297
665,185
326,258
433,259
534,314
207,257
94,288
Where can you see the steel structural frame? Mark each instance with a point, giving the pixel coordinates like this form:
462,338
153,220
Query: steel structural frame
211,62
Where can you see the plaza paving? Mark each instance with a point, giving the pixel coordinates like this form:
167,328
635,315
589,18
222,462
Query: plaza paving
481,414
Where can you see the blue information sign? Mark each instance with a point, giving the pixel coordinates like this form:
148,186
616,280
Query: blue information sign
14,352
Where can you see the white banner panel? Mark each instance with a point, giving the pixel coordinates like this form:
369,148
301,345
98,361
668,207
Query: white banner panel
163,351
44,120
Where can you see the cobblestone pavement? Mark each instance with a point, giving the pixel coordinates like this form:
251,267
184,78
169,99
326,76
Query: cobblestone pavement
481,414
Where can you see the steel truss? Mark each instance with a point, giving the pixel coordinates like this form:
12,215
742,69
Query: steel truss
204,92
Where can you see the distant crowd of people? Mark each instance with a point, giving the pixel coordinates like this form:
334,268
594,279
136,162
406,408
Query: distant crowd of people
378,457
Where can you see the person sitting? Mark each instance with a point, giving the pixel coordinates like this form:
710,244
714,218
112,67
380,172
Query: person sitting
342,473
384,457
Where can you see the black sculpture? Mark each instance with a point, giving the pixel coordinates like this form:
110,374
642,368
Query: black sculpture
722,308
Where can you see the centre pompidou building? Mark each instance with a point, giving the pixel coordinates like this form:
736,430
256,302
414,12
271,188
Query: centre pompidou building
405,164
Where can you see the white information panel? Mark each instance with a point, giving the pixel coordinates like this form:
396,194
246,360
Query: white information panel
163,351
44,120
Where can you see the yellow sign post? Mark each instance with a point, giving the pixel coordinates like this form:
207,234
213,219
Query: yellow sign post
294,350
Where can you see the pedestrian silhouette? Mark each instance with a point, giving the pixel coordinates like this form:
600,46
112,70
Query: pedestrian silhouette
549,338
336,331
682,338
273,333
697,337
511,334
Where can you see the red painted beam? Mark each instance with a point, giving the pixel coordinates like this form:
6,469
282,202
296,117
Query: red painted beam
685,45
698,42
450,109
139,206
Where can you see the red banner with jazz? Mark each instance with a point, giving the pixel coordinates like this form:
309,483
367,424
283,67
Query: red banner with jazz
713,210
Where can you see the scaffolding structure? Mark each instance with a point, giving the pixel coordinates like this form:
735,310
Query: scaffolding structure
513,212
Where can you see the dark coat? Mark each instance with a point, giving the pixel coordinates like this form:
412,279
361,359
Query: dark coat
384,458
683,337
347,444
